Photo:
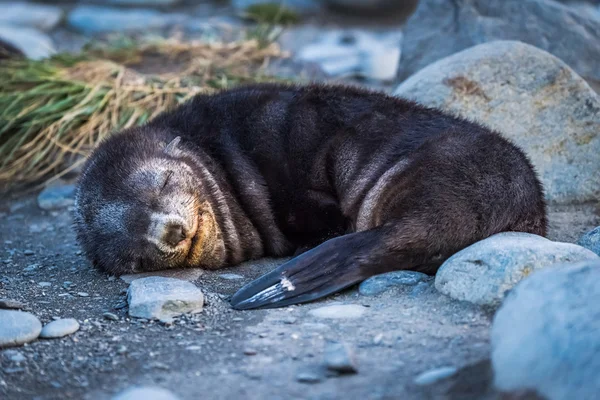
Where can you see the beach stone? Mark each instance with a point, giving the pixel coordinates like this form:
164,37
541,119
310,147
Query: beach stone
338,311
29,41
483,272
303,7
381,283
310,375
56,197
144,3
530,97
545,335
13,356
184,274
591,240
163,298
32,15
434,375
230,277
446,27
8,304
90,19
59,328
18,327
339,357
145,393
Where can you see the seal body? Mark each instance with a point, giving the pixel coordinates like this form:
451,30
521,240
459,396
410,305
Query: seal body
354,182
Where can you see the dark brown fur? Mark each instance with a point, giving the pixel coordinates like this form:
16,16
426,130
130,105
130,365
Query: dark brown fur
300,165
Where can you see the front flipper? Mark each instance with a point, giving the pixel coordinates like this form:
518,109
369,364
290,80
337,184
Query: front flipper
326,269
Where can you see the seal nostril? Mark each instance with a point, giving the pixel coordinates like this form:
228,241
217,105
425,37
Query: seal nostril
174,234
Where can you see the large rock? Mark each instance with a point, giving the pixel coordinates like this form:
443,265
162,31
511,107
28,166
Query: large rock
483,272
17,327
39,16
591,240
163,298
439,28
532,98
95,19
545,335
29,41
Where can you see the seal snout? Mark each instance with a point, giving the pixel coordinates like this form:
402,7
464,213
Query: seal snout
170,233
174,234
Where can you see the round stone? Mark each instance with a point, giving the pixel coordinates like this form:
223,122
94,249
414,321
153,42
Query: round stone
17,327
60,328
339,311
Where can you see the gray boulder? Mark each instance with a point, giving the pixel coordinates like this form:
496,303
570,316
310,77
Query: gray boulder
483,272
591,240
39,16
533,99
545,335
91,19
163,298
439,28
29,41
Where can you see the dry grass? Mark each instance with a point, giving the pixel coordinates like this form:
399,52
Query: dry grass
53,112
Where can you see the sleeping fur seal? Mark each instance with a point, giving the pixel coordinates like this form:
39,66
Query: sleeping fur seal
354,183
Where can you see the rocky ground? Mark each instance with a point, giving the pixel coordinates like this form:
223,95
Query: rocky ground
398,337
395,336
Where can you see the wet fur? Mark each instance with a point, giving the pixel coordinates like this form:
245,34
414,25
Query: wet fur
399,186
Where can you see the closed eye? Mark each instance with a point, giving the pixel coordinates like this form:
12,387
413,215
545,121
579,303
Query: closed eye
168,175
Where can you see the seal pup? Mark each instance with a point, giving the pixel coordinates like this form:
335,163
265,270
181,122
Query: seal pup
353,182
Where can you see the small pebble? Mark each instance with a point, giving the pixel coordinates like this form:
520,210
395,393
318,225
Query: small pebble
110,316
59,328
28,252
82,294
309,376
18,327
434,375
339,357
44,284
145,393
230,277
11,304
250,352
339,311
14,356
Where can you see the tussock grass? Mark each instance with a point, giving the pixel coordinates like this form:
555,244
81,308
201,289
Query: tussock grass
53,112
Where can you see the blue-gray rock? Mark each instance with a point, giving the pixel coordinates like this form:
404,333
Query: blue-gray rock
143,3
95,19
382,283
340,358
163,298
434,375
483,272
14,356
18,327
31,42
591,240
145,393
532,98
545,335
59,328
230,277
445,27
31,15
306,7
339,311
56,197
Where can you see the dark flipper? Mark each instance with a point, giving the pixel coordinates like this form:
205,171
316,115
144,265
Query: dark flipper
326,269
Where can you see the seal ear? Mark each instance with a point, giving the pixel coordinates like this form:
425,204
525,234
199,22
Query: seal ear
172,146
